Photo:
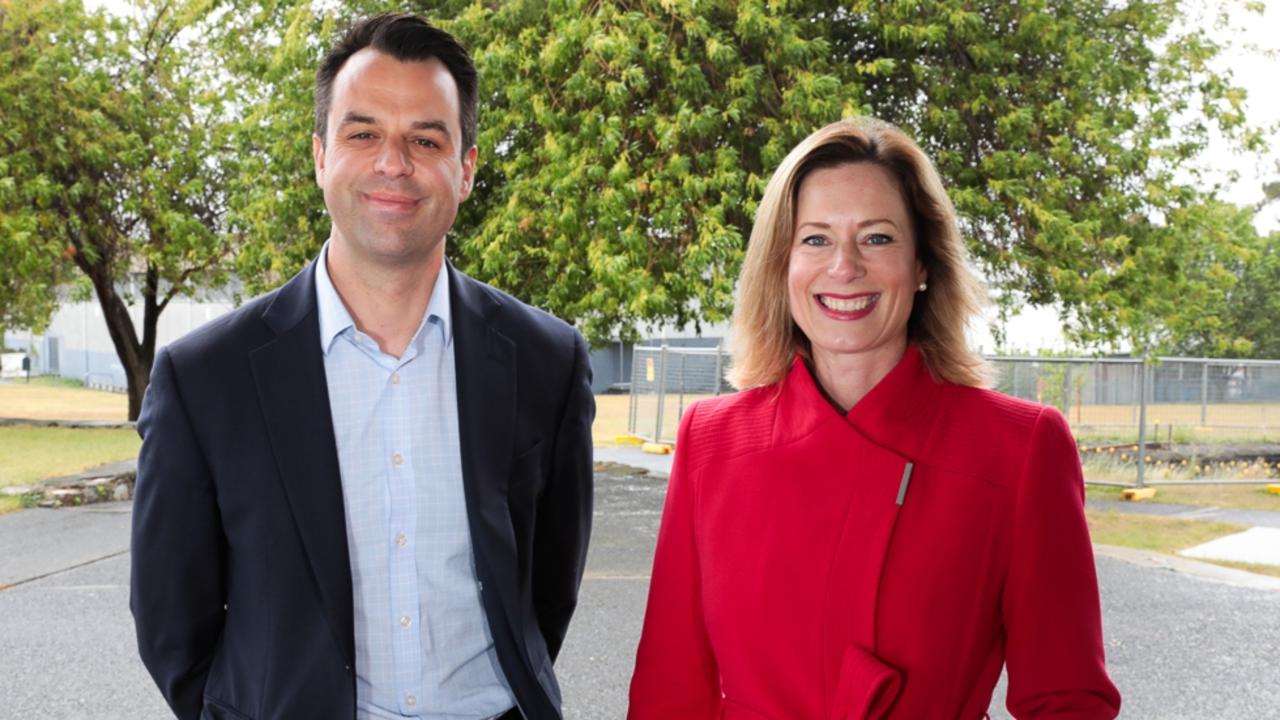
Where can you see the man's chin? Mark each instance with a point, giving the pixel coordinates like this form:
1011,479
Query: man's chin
400,249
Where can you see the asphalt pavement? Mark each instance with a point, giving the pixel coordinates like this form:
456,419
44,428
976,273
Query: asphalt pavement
1184,639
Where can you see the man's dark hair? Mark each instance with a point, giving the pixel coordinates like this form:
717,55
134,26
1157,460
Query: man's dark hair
406,38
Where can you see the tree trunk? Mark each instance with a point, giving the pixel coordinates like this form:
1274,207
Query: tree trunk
151,309
137,367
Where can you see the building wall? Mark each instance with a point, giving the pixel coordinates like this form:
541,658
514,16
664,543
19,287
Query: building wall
76,343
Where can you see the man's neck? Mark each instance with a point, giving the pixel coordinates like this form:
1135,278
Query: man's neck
386,302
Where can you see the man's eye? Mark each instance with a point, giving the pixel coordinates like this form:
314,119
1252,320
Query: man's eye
362,136
426,142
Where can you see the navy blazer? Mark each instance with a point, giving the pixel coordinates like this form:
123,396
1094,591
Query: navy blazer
241,583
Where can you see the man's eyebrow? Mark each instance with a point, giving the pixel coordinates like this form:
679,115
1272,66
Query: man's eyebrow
430,125
352,118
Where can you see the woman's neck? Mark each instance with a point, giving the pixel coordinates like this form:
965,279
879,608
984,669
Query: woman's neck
845,378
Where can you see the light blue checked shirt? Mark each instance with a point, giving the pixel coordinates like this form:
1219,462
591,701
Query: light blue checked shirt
423,646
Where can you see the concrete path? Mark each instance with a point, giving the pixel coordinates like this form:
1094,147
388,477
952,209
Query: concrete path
37,543
1179,644
1259,545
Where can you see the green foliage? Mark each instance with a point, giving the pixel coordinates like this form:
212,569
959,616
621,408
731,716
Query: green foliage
624,145
1245,322
111,171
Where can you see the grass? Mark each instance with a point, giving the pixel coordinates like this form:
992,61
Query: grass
1240,497
57,399
1165,535
1245,416
31,454
54,381
613,413
1155,533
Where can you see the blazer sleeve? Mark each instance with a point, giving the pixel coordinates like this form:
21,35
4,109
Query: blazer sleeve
1054,651
564,513
676,676
177,591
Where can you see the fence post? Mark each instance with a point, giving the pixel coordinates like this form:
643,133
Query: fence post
680,409
662,391
1204,393
1142,422
719,369
631,410
1066,392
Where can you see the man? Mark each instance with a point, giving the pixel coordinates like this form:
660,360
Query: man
368,493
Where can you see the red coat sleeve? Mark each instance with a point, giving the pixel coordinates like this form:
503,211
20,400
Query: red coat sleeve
676,676
1054,651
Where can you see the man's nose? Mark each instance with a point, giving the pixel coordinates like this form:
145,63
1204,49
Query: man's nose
393,160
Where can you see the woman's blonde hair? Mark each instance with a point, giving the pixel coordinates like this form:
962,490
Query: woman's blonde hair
766,337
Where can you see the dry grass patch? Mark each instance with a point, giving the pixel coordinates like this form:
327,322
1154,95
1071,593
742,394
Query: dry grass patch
1239,497
1155,533
613,415
47,400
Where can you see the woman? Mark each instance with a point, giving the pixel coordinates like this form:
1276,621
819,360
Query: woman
864,531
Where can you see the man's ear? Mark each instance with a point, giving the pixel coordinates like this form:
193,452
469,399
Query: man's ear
468,173
317,152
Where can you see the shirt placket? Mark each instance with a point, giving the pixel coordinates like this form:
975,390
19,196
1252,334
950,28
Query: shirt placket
402,515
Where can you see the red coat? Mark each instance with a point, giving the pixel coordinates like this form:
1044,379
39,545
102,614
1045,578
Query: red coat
797,579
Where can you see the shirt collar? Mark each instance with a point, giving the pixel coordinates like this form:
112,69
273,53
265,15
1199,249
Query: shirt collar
335,319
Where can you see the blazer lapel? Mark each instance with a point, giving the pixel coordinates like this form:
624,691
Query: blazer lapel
486,373
294,396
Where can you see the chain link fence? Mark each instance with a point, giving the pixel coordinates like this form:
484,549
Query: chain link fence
1181,412
665,380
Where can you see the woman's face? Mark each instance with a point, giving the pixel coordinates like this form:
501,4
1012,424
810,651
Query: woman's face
853,268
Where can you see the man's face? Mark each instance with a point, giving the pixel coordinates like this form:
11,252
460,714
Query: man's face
392,169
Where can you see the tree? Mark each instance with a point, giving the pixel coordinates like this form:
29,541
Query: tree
624,145
1255,304
109,169
1245,319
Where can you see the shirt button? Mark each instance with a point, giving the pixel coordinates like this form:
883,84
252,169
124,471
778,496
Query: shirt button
401,540
410,700
397,458
404,620
395,378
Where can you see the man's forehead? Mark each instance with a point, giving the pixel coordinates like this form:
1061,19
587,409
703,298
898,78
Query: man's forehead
370,67
371,81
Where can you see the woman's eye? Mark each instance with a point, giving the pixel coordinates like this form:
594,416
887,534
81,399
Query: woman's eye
815,240
878,239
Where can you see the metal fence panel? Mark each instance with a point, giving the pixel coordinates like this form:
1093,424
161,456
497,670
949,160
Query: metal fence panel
666,380
1107,401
